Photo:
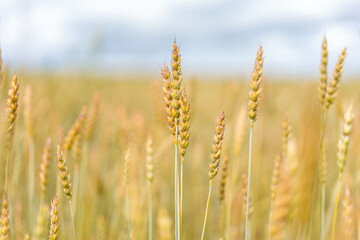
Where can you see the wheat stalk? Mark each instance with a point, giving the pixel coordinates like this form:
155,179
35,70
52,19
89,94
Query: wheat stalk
127,182
254,94
348,212
150,178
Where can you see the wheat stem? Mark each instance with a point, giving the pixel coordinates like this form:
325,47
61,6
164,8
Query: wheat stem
150,217
177,218
181,190
336,206
248,187
72,219
323,191
31,182
206,212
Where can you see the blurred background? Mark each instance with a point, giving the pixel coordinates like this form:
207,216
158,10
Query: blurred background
216,36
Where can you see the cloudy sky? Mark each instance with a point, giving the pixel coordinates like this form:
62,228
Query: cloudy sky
216,36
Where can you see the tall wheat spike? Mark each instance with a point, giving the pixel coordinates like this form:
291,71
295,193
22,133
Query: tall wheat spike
64,173
214,161
254,94
66,182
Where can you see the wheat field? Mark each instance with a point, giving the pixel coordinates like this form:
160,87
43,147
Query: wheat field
90,156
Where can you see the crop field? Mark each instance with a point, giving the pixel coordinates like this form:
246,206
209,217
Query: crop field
102,156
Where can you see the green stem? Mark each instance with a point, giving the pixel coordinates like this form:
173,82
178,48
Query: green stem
228,214
206,212
336,207
248,187
31,180
150,215
73,219
323,190
177,219
128,213
181,191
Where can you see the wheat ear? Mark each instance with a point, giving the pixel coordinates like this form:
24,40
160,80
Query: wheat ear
92,117
42,219
44,168
332,87
222,190
65,181
11,108
75,129
4,219
54,219
323,73
184,135
343,147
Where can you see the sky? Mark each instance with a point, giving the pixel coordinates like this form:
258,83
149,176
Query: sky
216,36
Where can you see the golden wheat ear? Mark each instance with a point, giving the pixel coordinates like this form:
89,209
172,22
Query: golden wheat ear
332,87
4,219
54,219
44,168
11,108
216,148
255,86
75,129
323,72
64,173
